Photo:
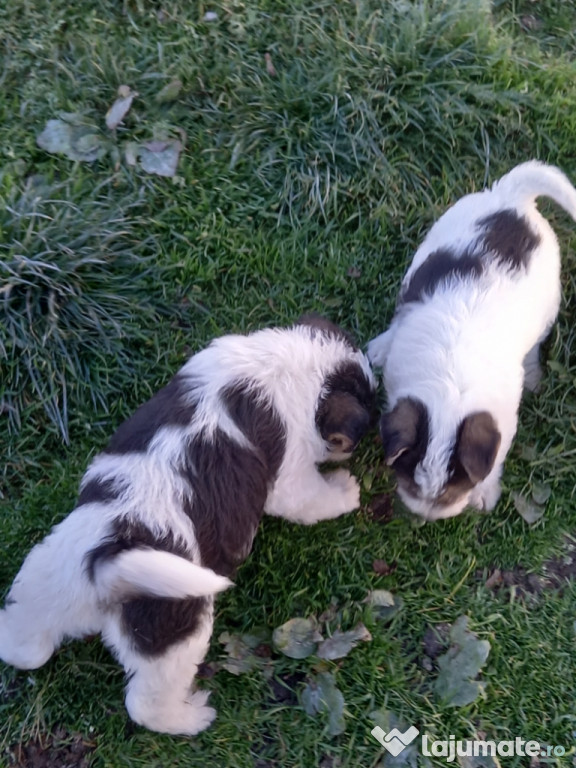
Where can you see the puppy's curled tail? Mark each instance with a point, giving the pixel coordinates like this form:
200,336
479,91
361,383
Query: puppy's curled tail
524,183
146,571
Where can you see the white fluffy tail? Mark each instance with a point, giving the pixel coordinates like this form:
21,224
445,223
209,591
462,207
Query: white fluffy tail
146,571
534,179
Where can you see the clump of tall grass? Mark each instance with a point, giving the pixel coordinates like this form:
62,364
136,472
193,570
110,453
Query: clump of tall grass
75,295
373,104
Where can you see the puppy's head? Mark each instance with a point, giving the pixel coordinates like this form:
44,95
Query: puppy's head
346,409
437,473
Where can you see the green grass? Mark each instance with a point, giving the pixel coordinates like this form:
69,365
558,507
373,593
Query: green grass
307,190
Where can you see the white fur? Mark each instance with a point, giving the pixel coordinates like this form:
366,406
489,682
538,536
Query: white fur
472,344
53,597
156,573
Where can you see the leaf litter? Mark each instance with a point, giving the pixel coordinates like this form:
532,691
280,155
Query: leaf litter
385,720
297,638
71,136
456,685
246,652
531,508
78,139
121,107
384,604
341,643
321,694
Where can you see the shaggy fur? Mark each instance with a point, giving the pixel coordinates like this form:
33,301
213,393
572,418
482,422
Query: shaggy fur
169,509
480,295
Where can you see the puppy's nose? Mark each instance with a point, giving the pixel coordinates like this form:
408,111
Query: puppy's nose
341,443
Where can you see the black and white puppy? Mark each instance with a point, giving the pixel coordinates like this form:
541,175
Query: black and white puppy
169,509
480,295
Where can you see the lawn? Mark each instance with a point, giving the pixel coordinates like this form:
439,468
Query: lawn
319,141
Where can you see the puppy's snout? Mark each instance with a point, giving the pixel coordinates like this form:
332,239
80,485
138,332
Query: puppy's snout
341,443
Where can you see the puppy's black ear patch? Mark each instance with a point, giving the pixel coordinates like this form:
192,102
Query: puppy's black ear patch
404,429
323,325
342,421
477,445
346,408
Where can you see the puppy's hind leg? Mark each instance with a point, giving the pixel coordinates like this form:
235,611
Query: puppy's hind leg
159,693
51,599
23,643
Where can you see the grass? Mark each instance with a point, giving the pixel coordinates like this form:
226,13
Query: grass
306,190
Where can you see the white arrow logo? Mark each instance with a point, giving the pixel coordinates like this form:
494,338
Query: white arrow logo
395,741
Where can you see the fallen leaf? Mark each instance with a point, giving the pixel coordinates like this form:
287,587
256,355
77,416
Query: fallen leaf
160,157
74,118
541,493
207,669
494,580
297,638
131,153
269,66
530,23
329,614
121,107
436,640
341,643
527,509
382,568
383,604
75,140
455,685
380,598
170,92
322,695
244,652
387,721
382,508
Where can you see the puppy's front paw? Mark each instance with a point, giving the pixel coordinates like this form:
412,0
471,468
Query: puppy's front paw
377,349
348,485
485,497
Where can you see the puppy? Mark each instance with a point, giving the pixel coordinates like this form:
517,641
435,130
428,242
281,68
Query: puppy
480,295
169,509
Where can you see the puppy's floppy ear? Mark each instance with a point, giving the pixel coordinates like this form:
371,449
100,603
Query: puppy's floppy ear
342,421
403,428
477,446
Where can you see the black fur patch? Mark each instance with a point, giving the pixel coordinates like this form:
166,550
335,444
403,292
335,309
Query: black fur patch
167,407
129,534
506,237
325,326
230,483
156,623
439,268
349,377
153,623
347,406
509,237
100,491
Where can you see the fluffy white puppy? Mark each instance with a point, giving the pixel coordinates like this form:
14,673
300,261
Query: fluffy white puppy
480,295
169,509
